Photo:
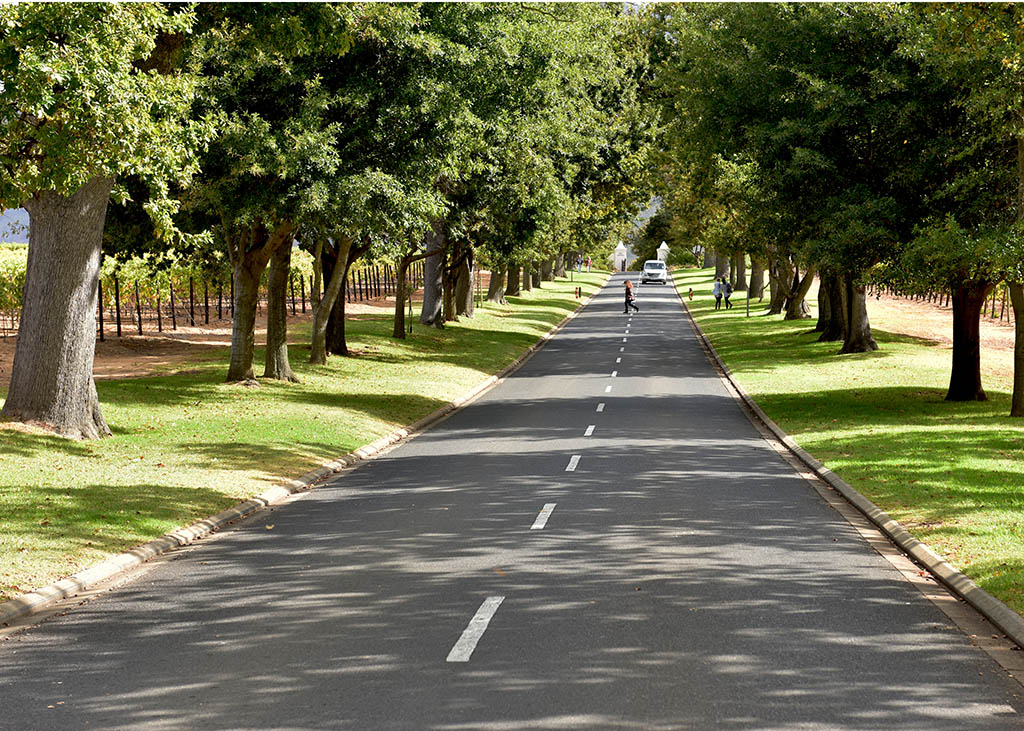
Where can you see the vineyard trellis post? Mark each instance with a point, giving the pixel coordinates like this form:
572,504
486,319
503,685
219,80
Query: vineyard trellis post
138,306
117,303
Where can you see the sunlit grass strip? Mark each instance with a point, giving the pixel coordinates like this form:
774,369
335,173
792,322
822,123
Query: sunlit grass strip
186,445
951,473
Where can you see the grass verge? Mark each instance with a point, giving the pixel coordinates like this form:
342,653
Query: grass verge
951,473
187,445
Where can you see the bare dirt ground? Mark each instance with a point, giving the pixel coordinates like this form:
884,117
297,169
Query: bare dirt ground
140,355
134,355
935,323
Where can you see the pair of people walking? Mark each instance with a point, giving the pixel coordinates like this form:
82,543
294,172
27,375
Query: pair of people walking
722,290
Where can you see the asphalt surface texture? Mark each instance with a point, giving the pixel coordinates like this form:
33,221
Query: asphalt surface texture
603,540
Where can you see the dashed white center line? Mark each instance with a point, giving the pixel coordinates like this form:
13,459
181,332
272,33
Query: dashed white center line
542,516
622,350
475,630
600,407
589,431
618,360
614,373
607,389
624,340
573,461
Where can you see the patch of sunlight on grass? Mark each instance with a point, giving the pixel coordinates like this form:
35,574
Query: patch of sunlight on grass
951,473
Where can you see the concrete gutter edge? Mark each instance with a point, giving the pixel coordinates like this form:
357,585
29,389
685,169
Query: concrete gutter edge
1002,616
87,578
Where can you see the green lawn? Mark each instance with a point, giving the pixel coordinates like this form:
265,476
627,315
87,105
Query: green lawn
951,473
187,445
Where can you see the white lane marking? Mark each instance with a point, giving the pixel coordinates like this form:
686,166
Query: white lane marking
614,373
622,350
623,340
573,461
618,360
542,516
607,389
589,431
600,407
475,630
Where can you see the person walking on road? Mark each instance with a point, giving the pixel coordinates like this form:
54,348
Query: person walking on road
717,291
727,293
630,298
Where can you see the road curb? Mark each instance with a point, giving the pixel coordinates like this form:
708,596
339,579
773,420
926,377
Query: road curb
1002,616
35,601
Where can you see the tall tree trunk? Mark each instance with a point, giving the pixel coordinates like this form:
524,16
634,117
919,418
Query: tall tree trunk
965,377
527,277
535,276
401,295
277,365
336,342
51,378
496,287
433,280
756,279
1017,301
251,252
831,324
780,274
512,283
449,272
465,304
332,290
796,306
560,265
547,270
739,267
857,338
721,265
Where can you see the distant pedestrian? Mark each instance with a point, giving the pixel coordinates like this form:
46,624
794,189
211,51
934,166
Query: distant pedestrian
691,294
589,262
727,293
630,298
579,263
717,291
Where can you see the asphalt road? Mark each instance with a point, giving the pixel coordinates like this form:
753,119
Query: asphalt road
601,541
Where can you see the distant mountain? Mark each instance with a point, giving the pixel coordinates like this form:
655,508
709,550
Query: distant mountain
14,226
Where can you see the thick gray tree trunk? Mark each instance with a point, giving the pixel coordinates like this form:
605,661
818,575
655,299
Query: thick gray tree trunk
535,276
560,265
277,365
739,268
547,270
857,338
756,279
331,294
721,265
433,280
831,323
496,287
527,276
780,274
1017,300
796,305
51,378
965,376
465,305
251,253
513,287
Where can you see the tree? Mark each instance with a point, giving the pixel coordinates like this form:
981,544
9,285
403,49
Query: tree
83,103
978,51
